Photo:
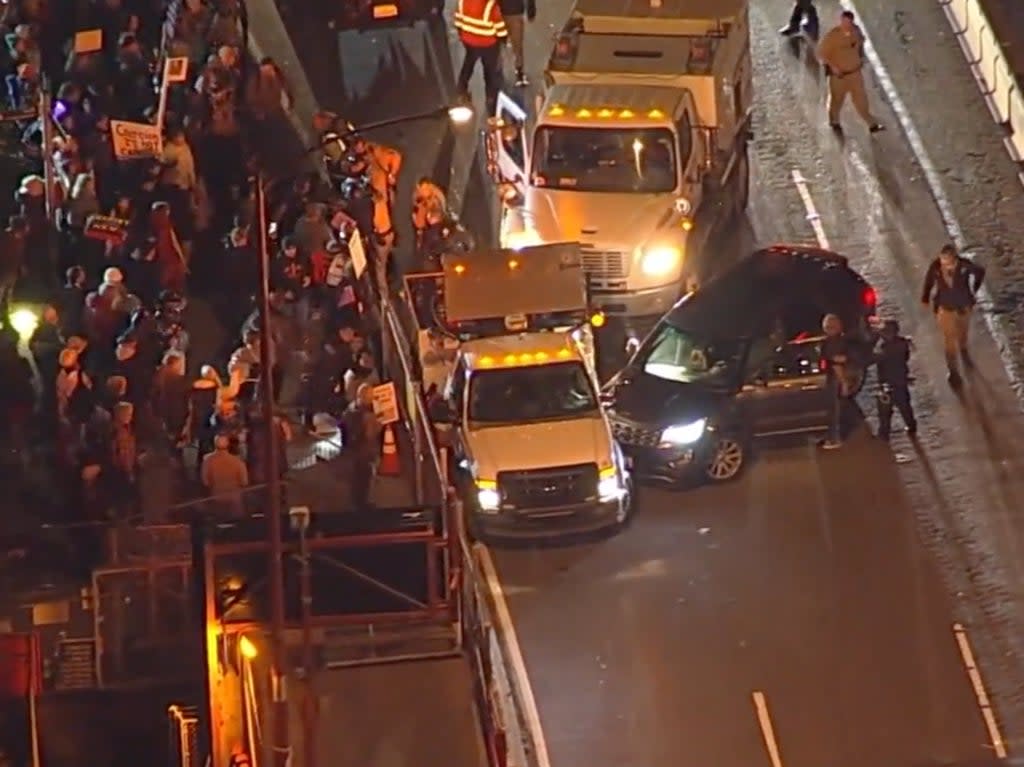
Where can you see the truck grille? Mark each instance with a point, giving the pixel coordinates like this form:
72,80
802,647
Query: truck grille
635,435
605,265
548,488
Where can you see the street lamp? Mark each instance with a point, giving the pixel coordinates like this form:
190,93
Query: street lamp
458,114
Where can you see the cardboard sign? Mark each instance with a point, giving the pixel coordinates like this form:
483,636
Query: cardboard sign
357,254
89,41
385,403
176,70
136,140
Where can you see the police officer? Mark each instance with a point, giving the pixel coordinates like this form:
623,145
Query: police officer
950,288
804,15
481,30
835,353
892,361
841,51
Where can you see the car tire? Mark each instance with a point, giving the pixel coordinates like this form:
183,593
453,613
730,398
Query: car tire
727,461
625,516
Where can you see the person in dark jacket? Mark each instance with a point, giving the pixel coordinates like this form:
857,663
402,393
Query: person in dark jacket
892,361
804,16
514,11
950,288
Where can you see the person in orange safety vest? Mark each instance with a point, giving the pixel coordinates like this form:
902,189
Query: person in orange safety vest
482,30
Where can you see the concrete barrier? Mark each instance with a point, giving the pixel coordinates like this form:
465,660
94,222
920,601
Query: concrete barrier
1001,88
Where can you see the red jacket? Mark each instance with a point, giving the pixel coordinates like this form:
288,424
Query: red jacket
480,23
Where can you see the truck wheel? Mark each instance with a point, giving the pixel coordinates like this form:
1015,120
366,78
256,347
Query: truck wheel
742,197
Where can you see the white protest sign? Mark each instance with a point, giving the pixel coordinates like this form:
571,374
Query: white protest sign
135,140
385,403
357,253
176,70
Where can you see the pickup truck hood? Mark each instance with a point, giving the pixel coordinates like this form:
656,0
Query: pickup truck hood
538,446
608,221
655,402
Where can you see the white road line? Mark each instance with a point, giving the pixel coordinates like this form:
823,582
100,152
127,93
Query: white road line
974,674
812,211
515,658
996,325
764,719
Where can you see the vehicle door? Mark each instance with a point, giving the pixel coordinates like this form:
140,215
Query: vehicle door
510,142
786,389
455,406
690,138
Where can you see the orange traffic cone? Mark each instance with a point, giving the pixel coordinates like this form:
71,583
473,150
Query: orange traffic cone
389,465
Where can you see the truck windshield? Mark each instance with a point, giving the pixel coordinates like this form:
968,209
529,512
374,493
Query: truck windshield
676,355
639,160
530,393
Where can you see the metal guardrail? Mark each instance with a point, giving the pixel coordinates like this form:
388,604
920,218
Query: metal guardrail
183,736
398,349
991,71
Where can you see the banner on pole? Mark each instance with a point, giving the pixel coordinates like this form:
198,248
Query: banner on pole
136,140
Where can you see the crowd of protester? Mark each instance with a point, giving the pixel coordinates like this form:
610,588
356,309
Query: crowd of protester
107,381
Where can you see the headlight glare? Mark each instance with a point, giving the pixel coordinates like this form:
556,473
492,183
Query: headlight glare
609,486
684,434
660,260
487,496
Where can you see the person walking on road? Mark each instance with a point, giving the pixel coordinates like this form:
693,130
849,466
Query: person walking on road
481,30
804,16
842,53
514,12
950,288
892,362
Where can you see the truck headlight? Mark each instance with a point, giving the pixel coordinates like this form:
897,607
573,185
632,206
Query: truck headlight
660,260
684,434
487,496
609,488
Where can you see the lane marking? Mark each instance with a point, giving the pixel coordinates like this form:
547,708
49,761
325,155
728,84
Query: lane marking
515,657
997,325
764,719
812,211
988,713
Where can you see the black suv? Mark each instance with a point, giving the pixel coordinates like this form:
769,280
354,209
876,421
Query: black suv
738,360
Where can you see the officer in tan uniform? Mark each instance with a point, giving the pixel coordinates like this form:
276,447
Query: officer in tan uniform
842,53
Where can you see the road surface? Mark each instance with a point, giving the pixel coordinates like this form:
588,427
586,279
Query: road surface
824,610
856,608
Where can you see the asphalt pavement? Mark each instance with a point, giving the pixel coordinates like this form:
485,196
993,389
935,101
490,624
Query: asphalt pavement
806,615
825,609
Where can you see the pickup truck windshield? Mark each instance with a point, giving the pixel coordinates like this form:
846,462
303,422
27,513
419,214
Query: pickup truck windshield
530,393
623,160
676,355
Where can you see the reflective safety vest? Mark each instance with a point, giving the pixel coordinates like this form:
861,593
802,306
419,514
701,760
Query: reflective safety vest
480,23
